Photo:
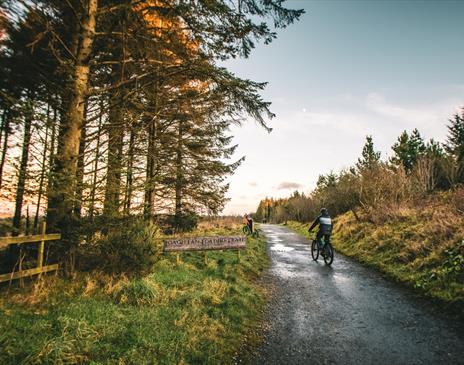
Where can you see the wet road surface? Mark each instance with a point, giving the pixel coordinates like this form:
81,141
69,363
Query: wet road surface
347,314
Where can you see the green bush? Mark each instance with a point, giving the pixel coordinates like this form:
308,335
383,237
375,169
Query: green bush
133,247
183,222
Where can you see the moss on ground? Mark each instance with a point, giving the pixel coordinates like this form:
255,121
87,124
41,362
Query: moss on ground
189,313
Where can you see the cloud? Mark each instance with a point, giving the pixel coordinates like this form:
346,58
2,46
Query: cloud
307,122
253,183
372,113
378,104
430,117
288,185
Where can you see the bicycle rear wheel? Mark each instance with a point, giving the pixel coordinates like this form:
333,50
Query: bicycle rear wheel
329,254
314,250
246,230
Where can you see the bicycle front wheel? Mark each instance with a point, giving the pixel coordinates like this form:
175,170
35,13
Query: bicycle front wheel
246,230
314,250
329,254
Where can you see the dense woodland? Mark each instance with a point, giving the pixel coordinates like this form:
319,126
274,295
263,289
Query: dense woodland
112,110
376,190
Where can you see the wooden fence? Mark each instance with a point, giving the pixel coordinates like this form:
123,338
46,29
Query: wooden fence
38,238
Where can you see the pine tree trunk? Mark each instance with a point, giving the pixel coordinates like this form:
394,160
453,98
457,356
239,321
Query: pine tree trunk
152,157
80,169
27,222
150,175
6,130
51,156
116,130
115,143
95,167
23,169
130,164
179,173
61,199
42,172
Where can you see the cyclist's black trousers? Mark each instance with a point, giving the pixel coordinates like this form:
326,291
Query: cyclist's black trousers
325,235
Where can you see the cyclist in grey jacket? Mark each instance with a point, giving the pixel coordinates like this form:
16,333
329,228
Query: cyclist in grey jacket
325,226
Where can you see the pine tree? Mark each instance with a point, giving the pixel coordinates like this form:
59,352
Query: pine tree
417,143
455,142
434,149
22,173
158,105
402,152
24,93
61,199
370,158
408,149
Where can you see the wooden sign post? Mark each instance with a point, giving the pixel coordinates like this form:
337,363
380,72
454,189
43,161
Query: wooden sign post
205,244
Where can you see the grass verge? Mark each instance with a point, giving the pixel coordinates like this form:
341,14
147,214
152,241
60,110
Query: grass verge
419,249
189,313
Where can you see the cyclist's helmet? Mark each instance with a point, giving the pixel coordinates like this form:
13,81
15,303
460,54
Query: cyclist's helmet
324,211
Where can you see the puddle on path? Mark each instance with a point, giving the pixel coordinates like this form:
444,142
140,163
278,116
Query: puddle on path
285,271
339,278
345,284
281,248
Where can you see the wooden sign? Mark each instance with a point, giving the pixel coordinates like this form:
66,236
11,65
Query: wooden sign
205,243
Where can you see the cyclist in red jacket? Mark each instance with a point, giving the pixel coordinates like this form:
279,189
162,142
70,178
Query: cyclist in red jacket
248,221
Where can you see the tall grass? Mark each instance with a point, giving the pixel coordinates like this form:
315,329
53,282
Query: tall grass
189,313
422,247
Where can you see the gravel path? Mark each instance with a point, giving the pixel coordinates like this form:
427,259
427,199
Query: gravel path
347,314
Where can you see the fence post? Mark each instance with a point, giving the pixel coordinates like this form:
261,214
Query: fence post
42,245
20,267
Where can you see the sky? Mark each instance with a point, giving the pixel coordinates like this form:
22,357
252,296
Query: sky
347,69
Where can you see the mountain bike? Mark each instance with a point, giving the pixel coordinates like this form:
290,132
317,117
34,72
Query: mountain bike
246,230
326,251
